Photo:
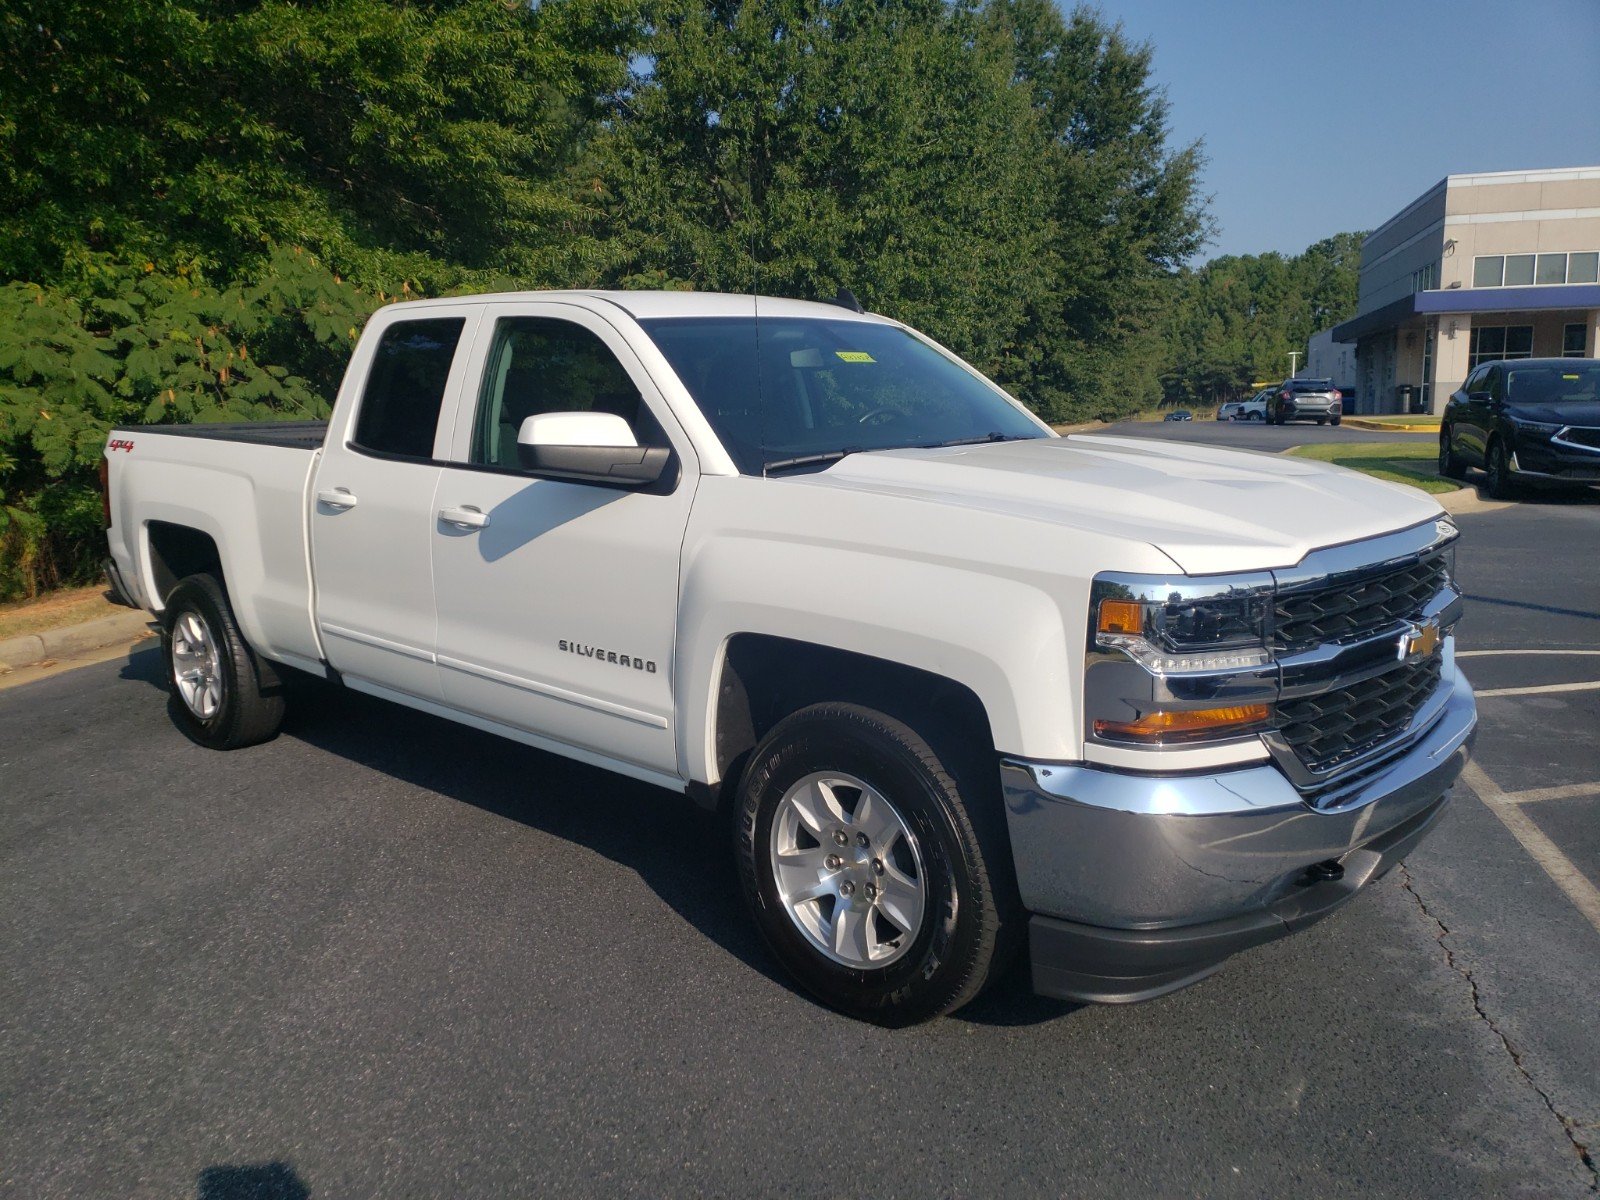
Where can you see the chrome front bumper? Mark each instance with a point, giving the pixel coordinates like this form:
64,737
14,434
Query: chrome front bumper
1209,863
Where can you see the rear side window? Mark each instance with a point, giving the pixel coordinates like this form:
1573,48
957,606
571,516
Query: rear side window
405,387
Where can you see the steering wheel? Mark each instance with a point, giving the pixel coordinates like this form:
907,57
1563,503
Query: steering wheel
891,414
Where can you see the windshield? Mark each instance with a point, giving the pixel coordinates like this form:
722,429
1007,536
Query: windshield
1554,385
823,386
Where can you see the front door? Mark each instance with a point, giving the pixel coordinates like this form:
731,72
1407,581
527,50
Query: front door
372,503
557,601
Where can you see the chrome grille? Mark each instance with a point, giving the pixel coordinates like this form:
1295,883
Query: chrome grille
1336,612
1330,729
1580,435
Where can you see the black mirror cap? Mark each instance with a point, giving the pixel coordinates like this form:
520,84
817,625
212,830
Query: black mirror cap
608,466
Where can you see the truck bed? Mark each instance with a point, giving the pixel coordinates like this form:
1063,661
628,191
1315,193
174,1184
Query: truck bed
291,435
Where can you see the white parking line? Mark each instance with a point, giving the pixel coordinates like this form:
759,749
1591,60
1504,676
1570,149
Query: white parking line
1566,791
1486,653
1583,894
1538,690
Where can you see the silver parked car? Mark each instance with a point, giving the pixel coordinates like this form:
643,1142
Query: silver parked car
1305,400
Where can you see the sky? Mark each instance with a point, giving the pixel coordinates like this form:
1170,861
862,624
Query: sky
1321,116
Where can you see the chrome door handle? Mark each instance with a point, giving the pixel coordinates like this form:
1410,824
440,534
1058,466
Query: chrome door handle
337,498
465,517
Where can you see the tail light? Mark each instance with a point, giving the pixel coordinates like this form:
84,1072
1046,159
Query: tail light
105,489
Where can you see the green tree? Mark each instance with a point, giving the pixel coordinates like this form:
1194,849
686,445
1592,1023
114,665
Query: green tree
1125,211
130,344
802,145
391,139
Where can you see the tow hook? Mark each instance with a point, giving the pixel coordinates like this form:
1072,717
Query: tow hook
1330,871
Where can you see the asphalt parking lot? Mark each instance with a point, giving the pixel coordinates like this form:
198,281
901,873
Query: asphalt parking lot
386,956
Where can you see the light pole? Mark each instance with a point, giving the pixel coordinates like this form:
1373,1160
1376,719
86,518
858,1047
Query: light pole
1294,363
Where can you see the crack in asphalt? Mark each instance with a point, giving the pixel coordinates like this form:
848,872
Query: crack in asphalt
1569,1127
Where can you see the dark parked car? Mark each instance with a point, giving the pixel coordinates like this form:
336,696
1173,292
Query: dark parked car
1182,414
1530,420
1305,400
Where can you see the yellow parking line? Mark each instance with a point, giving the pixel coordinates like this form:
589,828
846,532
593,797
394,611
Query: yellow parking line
1565,792
1539,690
1583,894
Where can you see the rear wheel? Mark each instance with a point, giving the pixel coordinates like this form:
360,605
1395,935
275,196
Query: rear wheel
223,696
1450,466
873,866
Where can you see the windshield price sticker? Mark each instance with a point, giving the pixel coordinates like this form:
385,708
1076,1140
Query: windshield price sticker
855,356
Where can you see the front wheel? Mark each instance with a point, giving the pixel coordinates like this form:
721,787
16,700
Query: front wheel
1322,421
1335,420
223,696
1497,466
876,872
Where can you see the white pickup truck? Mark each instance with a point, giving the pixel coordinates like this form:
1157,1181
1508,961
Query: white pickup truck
962,686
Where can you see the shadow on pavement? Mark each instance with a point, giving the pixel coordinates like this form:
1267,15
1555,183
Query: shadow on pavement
265,1181
682,852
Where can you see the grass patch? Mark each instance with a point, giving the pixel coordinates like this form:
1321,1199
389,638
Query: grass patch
66,607
1403,462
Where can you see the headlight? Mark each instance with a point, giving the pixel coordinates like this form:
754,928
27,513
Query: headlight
1538,428
1183,628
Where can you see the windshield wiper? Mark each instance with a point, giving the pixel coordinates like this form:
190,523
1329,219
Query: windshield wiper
972,441
808,460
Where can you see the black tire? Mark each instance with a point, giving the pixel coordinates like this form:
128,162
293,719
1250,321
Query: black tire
1497,468
1334,420
971,916
1321,421
1450,467
250,708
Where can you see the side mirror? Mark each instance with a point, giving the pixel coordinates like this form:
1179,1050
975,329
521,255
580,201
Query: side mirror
1477,397
588,447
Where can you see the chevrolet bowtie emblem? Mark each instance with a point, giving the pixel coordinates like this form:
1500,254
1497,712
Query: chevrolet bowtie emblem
1419,641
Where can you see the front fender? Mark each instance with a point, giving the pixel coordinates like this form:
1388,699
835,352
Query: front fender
1004,639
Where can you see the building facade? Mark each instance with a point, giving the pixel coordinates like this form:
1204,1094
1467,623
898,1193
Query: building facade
1479,267
1328,359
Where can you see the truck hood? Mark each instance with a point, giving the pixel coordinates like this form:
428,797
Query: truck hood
1209,510
1566,413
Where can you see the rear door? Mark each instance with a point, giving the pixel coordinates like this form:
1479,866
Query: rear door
558,601
372,500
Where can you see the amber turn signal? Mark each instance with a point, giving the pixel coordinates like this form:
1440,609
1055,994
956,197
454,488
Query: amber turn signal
1162,727
1121,616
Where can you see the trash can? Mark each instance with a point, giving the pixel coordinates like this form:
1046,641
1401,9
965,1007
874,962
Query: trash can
1408,398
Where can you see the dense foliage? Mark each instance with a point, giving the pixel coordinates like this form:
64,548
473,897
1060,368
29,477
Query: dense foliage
1234,321
200,201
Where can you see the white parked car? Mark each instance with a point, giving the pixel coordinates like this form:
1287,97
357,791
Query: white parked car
962,687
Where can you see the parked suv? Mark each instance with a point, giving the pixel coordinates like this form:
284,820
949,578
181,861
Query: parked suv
1534,420
1305,400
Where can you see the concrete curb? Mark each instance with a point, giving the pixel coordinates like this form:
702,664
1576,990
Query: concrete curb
31,648
1467,499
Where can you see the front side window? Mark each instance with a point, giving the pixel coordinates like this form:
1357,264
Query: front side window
543,365
399,411
792,387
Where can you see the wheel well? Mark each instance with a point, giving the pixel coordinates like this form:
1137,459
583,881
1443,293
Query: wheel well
764,679
177,552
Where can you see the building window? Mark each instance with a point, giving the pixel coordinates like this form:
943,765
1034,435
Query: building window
1491,342
1551,268
1519,270
1425,279
1574,341
1523,270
